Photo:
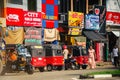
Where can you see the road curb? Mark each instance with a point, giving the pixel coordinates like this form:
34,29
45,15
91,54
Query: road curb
103,76
98,76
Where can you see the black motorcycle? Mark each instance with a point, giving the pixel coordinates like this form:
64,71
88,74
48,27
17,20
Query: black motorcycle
71,64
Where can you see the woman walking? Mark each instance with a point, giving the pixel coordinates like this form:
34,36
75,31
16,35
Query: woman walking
91,53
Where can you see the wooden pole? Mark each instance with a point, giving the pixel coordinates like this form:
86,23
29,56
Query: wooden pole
71,5
5,8
86,6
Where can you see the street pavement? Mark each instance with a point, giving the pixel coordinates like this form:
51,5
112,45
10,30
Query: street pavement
58,75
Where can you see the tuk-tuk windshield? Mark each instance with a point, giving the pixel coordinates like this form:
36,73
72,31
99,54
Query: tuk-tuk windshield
76,51
37,53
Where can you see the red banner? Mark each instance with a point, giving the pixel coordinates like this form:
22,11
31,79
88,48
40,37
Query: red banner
32,19
113,18
14,17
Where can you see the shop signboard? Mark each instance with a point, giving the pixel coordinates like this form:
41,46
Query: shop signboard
113,18
92,22
14,17
32,19
33,36
74,31
75,19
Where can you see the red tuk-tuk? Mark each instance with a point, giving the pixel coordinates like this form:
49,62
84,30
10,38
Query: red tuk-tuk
38,57
80,55
54,57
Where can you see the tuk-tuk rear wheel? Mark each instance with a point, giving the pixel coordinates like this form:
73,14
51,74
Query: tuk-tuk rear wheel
49,67
84,66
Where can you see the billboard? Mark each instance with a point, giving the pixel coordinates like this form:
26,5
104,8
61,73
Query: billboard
113,18
32,19
92,22
14,17
75,19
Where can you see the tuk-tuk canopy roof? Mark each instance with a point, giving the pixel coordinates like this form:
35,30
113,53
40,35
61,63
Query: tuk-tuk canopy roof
53,46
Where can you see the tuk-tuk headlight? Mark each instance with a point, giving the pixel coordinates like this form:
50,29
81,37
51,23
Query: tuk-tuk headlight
35,60
39,58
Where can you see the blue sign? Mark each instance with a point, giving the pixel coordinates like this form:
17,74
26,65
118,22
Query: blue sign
92,22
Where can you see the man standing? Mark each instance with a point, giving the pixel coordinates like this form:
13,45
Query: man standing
65,53
115,56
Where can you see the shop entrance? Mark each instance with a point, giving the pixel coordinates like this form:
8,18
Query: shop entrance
112,41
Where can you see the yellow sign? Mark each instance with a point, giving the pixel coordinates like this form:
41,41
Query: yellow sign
74,31
76,19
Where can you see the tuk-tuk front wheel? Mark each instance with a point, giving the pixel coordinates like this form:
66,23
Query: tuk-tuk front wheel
41,69
49,67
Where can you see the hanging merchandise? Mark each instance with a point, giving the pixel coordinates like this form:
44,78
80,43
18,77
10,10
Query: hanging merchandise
15,36
33,36
51,34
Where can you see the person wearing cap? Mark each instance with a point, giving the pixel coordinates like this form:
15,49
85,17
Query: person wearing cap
65,53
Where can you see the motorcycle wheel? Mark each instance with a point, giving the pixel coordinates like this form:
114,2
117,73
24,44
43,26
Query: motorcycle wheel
29,69
41,69
49,67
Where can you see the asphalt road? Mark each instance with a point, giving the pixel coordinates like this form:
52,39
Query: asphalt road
54,75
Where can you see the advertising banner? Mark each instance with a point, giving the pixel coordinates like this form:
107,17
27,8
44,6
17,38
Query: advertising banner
76,19
32,19
92,22
74,31
14,17
101,12
33,36
113,18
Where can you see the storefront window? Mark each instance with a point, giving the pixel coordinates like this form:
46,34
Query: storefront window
20,2
32,5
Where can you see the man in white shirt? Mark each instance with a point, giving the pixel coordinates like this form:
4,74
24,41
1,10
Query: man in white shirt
115,55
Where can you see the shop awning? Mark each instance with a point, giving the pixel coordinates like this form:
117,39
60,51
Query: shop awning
116,33
95,36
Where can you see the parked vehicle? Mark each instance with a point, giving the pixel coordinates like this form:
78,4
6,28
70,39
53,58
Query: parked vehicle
54,57
17,59
38,57
80,55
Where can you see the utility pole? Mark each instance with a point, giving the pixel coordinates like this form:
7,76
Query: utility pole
86,6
